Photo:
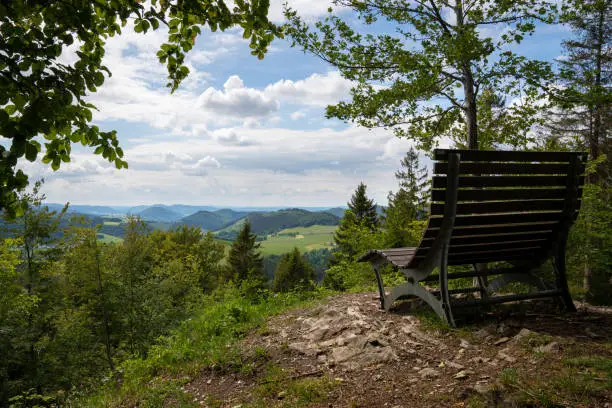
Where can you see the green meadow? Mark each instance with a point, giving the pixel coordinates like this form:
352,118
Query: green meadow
304,238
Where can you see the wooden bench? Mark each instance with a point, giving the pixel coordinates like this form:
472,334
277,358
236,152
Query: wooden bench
490,206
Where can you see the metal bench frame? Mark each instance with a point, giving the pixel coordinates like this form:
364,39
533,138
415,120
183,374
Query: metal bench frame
436,254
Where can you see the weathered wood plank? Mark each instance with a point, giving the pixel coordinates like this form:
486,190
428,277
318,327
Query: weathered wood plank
505,181
502,207
504,194
507,156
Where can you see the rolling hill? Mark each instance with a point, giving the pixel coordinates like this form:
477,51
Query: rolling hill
264,223
212,220
337,211
159,213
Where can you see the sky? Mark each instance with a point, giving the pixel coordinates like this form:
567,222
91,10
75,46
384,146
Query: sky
239,131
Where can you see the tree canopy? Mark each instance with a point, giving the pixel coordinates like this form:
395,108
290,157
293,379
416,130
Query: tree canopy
293,272
245,259
422,67
363,208
44,100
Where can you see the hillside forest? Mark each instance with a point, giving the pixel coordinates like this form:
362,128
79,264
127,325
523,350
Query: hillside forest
115,310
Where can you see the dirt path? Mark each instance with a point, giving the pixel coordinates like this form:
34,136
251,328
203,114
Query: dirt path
348,353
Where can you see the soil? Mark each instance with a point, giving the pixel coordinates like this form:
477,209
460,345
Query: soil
394,359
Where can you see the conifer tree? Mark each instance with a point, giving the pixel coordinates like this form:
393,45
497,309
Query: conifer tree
364,208
360,214
408,204
582,114
245,259
580,119
293,272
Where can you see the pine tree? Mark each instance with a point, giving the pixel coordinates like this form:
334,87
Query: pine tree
364,208
580,119
293,272
582,114
361,214
245,259
408,204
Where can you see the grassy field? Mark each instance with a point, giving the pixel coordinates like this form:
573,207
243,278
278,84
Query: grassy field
113,223
108,239
304,238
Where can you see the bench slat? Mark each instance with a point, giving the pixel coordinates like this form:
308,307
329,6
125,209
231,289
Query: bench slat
502,207
506,168
494,229
506,155
493,238
504,194
486,249
506,256
461,259
507,218
505,181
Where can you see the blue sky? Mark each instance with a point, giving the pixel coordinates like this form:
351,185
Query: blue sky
239,132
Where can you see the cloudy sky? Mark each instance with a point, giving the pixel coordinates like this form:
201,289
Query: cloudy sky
239,132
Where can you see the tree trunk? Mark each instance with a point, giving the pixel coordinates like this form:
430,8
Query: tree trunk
596,135
469,91
470,108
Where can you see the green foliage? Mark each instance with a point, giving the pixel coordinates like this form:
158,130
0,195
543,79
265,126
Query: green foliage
590,245
407,205
208,339
40,95
245,260
71,310
580,115
363,208
433,51
293,273
353,239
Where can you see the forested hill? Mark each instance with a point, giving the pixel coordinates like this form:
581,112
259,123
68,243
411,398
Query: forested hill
159,213
263,223
212,220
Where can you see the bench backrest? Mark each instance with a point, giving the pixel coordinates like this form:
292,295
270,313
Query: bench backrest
508,205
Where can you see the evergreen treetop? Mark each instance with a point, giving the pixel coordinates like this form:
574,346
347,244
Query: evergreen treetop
245,260
363,208
293,272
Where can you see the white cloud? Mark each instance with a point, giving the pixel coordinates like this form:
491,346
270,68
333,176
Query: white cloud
298,115
236,100
308,9
316,90
277,166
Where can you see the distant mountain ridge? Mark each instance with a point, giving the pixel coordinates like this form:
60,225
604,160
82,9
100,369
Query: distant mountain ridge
182,209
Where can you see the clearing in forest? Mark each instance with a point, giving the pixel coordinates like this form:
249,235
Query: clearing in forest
304,238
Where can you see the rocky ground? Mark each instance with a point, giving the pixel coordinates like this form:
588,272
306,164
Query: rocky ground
346,352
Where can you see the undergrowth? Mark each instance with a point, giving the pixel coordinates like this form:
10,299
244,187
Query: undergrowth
207,340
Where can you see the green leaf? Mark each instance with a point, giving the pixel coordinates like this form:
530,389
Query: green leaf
31,151
98,79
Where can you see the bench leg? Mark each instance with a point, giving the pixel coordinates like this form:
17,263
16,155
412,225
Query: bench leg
381,288
481,281
415,289
444,295
561,278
